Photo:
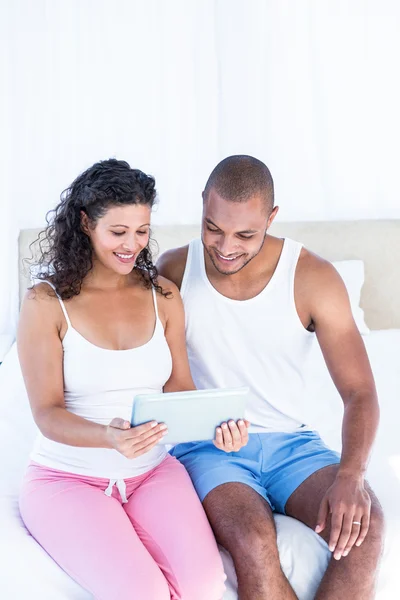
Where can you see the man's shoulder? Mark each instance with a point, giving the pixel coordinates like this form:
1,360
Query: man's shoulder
313,265
172,263
316,274
310,266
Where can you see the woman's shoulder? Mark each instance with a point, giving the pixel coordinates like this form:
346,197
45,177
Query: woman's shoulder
40,310
41,298
42,291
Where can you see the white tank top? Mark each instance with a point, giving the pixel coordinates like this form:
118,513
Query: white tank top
260,342
100,384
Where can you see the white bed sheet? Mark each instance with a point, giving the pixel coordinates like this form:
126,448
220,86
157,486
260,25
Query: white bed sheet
27,571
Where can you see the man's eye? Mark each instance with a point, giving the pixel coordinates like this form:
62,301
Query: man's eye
212,230
246,237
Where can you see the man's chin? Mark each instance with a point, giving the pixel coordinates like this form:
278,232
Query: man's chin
224,268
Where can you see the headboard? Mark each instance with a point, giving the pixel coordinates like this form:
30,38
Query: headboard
376,242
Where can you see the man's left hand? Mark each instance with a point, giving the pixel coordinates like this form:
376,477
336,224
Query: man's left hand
349,504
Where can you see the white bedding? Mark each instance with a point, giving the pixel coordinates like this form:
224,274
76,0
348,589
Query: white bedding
26,571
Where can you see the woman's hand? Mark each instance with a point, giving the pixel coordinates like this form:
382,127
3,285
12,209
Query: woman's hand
131,442
231,436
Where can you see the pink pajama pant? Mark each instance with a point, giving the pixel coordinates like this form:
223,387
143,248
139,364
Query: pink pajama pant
156,546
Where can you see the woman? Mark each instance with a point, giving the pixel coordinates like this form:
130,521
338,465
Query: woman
104,499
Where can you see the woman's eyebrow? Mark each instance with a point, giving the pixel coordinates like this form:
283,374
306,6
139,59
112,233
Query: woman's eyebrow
127,226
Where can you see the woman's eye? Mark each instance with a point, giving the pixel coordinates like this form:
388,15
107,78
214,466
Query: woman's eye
142,232
118,232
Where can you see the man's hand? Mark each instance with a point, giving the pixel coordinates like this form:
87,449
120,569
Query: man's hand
349,504
231,436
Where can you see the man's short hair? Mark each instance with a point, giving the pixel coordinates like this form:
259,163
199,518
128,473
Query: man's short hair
240,177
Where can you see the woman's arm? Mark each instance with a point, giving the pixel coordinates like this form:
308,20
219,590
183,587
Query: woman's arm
41,356
174,328
230,436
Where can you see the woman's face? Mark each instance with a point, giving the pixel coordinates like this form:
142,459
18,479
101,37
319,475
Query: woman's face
120,235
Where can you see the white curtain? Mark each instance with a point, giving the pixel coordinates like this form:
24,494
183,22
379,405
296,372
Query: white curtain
311,87
8,211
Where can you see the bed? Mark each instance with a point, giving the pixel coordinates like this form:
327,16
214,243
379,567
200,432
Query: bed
25,568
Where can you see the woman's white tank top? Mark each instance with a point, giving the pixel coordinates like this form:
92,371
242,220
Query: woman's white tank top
260,343
100,384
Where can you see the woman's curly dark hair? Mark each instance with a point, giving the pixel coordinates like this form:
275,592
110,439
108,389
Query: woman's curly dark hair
66,253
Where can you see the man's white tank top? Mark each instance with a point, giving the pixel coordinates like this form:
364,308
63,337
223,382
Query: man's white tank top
260,343
100,384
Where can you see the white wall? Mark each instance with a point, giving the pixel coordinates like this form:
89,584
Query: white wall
94,79
311,87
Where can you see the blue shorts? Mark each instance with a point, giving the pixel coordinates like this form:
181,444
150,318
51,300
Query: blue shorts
273,464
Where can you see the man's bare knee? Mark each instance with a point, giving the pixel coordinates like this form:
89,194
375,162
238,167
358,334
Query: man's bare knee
259,542
242,522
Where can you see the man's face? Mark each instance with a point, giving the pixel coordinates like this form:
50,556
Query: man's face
233,233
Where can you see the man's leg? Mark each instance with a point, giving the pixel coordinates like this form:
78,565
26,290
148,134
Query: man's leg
243,524
353,576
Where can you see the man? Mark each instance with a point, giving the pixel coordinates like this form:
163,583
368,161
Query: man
254,303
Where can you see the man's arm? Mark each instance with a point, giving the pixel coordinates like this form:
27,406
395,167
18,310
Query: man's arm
348,364
172,264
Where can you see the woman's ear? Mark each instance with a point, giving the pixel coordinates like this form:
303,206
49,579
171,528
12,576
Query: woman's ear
85,223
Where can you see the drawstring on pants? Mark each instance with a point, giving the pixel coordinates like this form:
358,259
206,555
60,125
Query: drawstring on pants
121,487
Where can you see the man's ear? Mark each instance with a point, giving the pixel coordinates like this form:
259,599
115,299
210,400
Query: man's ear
272,216
85,223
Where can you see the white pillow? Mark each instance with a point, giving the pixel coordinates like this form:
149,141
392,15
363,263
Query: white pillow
352,273
6,341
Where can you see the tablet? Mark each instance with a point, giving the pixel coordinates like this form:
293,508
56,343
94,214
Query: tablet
190,416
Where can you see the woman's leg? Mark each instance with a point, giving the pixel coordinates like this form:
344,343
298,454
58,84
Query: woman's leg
89,535
169,519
